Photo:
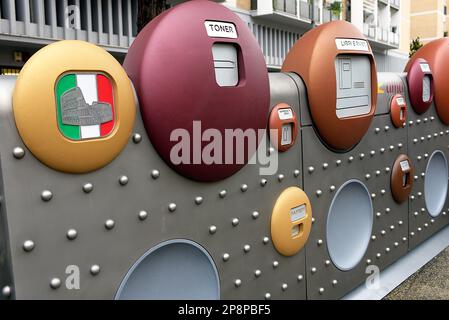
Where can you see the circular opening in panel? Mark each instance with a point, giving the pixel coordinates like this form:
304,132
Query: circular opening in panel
435,183
349,224
173,270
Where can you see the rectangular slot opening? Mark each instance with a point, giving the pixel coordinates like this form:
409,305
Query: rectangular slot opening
426,89
298,213
297,230
287,132
405,179
226,64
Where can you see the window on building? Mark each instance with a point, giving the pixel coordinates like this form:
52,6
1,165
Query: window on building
4,10
445,10
445,34
20,14
59,13
34,11
125,17
47,13
105,16
115,17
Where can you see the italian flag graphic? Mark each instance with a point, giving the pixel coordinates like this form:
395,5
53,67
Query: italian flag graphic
89,92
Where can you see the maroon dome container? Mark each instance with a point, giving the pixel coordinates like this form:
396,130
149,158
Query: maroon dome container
420,85
199,62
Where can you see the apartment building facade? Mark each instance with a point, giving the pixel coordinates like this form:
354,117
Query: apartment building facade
429,19
27,25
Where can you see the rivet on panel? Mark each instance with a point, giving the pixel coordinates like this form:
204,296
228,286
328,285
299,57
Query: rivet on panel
55,283
235,222
267,296
377,172
327,263
361,156
275,264
123,180
378,214
387,210
319,242
373,195
432,221
391,148
338,162
284,286
382,150
396,244
222,193
321,290
311,169
351,158
372,153
387,169
387,250
419,229
377,130
332,188
212,229
237,283
263,183
244,187
313,270
334,282
172,207
137,138
300,278
296,173
373,238
400,222
257,273
226,257
109,224
72,234
319,193
426,225
266,240
28,245
378,256
382,192
46,195
95,269
415,213
88,187
400,145
155,174
6,291
383,232
368,261
18,153
198,200
415,140
247,248
281,177
325,165
143,215
387,128
255,214
404,239
367,176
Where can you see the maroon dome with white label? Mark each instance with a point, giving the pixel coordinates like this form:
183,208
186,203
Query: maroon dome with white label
199,62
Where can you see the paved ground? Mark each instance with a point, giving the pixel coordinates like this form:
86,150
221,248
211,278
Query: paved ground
430,282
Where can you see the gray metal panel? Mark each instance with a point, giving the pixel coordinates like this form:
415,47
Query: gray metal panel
306,119
389,84
115,250
426,133
324,173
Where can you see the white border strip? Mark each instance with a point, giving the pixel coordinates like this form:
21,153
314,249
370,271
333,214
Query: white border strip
402,269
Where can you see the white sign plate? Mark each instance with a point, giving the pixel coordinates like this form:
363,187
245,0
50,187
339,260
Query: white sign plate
285,114
400,101
352,45
405,166
298,213
425,67
217,29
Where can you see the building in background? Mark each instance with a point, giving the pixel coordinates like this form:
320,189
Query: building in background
429,19
27,25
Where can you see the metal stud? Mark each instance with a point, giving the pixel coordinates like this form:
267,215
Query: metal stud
28,245
281,177
257,273
362,155
226,257
263,183
123,180
387,250
378,172
246,248
255,215
351,158
327,263
338,162
426,225
55,283
373,238
391,148
143,215
212,229
387,128
300,278
88,187
137,138
373,195
267,296
367,176
332,188
411,123
109,224
319,193
432,221
377,130
244,187
155,174
383,232
432,118
382,150
284,286
172,207
415,213
235,222
378,256
425,120
415,140
404,239
223,193
319,242
368,261
72,234
198,200
378,214
387,169
6,291
311,169
95,269
325,165
387,210
266,240
275,264
400,145
419,229
237,283
296,173
334,282
313,270
396,244
412,233
18,153
321,290
383,191
372,153
46,195
400,222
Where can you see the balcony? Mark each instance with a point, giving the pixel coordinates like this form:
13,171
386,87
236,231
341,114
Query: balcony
395,4
381,37
107,23
295,13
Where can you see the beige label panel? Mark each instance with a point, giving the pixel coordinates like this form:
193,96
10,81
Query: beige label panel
291,221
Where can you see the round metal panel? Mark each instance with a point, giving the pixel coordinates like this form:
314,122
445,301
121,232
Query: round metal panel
349,224
77,115
291,221
398,111
283,126
436,183
195,79
173,270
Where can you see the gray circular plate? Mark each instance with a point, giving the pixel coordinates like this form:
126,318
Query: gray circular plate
436,183
173,270
349,224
